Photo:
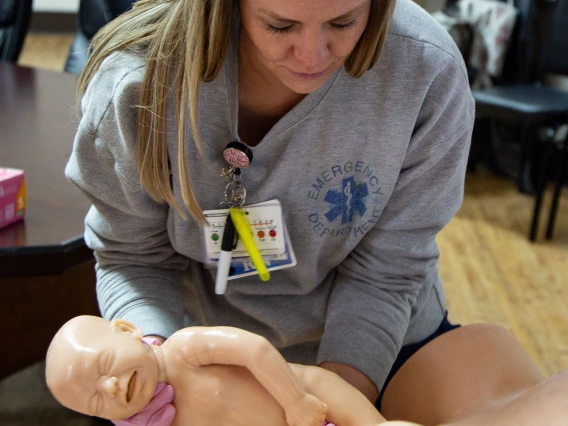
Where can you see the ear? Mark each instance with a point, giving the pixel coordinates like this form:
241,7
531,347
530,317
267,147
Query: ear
126,327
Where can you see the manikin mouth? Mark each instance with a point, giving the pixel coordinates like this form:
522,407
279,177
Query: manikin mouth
131,386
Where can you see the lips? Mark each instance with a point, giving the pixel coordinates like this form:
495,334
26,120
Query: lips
308,76
131,387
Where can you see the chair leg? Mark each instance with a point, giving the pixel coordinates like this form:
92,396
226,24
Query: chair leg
560,178
523,179
541,186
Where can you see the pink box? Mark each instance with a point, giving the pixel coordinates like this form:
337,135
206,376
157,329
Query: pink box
12,196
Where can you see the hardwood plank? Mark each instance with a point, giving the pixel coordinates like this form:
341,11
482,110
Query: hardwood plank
45,50
493,273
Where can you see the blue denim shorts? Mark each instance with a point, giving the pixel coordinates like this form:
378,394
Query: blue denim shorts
407,351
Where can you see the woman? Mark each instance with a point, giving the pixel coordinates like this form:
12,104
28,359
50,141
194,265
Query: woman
359,116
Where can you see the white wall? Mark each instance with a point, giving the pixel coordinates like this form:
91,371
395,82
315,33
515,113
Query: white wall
61,6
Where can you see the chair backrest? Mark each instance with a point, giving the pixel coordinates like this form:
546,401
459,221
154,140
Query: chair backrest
556,56
94,14
15,18
531,53
517,68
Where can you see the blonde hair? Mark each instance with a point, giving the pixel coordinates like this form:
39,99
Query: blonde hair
188,39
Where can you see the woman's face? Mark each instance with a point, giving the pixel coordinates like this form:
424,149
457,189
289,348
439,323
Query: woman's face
301,43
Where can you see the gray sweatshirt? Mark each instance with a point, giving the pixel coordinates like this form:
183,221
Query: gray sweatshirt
367,170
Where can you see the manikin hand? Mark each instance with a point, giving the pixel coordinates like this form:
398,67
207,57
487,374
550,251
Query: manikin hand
309,411
159,411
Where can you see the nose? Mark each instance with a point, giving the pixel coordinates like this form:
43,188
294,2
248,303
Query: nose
312,50
109,386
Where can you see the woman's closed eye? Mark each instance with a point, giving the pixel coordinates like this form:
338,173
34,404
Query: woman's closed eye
288,28
344,27
279,30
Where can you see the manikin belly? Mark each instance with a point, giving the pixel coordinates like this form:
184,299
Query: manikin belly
218,395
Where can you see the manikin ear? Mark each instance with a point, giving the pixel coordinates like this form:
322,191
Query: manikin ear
126,327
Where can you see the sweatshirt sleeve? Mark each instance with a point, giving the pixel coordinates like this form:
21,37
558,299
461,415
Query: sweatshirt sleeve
138,272
377,285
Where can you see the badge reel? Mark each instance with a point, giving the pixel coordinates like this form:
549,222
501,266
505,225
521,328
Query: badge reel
238,156
245,229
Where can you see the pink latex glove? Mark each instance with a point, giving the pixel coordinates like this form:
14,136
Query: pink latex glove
159,411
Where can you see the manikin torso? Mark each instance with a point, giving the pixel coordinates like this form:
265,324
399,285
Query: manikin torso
212,395
215,395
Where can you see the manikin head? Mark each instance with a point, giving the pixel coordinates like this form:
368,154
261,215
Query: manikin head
101,368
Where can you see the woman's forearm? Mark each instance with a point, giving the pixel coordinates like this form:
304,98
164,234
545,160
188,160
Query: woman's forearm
355,378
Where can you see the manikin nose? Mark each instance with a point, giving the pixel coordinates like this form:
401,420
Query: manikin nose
109,386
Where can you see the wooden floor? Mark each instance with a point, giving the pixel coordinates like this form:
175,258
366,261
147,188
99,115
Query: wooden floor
490,270
492,273
46,51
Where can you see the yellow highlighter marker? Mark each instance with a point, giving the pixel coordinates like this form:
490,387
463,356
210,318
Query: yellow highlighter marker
245,234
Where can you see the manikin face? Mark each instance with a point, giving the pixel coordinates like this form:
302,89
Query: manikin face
300,43
101,369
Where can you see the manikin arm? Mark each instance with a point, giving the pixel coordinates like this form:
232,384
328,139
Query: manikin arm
233,346
347,406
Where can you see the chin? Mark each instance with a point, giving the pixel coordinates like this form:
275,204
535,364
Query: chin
136,406
305,89
144,393
147,392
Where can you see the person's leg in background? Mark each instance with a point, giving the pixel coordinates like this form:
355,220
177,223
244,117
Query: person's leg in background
475,375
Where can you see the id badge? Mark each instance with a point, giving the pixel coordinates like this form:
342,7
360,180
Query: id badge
269,233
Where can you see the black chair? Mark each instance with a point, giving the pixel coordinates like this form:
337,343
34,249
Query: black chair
540,46
92,16
15,16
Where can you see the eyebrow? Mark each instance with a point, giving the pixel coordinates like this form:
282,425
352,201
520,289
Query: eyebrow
283,20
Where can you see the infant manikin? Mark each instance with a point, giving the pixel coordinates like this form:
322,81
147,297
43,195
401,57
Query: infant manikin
221,375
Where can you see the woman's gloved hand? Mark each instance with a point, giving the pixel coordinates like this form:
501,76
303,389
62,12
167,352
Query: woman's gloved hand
159,411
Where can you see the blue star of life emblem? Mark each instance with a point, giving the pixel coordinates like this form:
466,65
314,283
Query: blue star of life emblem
347,202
